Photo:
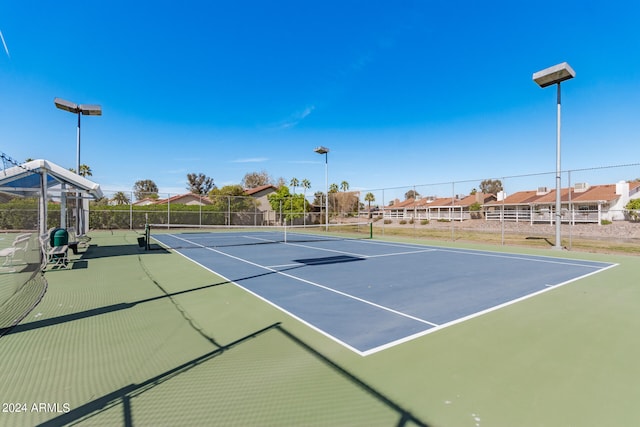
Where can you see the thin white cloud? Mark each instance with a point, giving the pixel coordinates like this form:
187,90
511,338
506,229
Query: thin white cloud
6,49
251,160
295,118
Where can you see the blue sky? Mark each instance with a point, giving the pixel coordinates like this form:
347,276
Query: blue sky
403,93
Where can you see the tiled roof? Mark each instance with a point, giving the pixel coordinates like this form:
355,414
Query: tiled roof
595,193
173,199
442,202
252,191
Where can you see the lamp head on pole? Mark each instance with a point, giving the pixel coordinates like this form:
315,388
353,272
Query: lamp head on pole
321,150
552,75
84,109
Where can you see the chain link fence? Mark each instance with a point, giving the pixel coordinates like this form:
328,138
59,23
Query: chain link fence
595,205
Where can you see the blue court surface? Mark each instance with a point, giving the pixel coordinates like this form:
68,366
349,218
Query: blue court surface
370,295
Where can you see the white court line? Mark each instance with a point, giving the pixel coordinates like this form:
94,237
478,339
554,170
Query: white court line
480,313
362,300
480,252
435,327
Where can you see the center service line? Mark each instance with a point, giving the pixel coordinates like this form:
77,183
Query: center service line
310,283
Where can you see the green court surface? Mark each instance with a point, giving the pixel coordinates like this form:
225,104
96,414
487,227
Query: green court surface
132,337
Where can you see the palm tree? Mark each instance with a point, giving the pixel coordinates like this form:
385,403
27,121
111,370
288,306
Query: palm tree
306,184
294,183
85,170
333,188
344,185
369,197
120,198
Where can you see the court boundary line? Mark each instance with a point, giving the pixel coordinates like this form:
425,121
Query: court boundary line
433,327
483,312
308,282
489,253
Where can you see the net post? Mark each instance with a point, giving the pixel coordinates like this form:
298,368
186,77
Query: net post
285,231
371,230
147,233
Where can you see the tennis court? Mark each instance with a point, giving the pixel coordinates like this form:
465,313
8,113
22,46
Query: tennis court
370,295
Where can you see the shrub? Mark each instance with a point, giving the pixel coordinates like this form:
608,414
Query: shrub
387,221
403,222
605,222
424,222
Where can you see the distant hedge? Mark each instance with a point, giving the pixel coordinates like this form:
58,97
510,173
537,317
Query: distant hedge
22,214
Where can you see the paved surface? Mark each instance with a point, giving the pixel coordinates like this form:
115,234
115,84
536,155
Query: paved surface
127,337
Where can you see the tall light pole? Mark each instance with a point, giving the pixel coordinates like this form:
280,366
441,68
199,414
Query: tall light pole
547,77
325,151
85,110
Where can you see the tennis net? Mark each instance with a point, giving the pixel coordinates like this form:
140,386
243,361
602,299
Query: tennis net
181,236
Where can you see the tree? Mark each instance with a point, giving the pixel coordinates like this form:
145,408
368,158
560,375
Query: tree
85,170
318,198
145,188
294,183
333,188
232,200
120,198
474,209
633,209
256,179
369,197
491,186
344,185
291,205
200,183
306,184
411,194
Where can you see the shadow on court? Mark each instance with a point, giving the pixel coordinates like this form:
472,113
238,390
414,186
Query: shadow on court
540,238
120,399
328,260
100,310
127,305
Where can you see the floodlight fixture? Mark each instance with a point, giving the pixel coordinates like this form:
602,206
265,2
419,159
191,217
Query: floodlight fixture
85,110
547,77
324,150
552,75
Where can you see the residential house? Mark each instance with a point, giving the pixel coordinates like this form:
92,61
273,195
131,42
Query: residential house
145,202
190,199
456,208
582,203
260,194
